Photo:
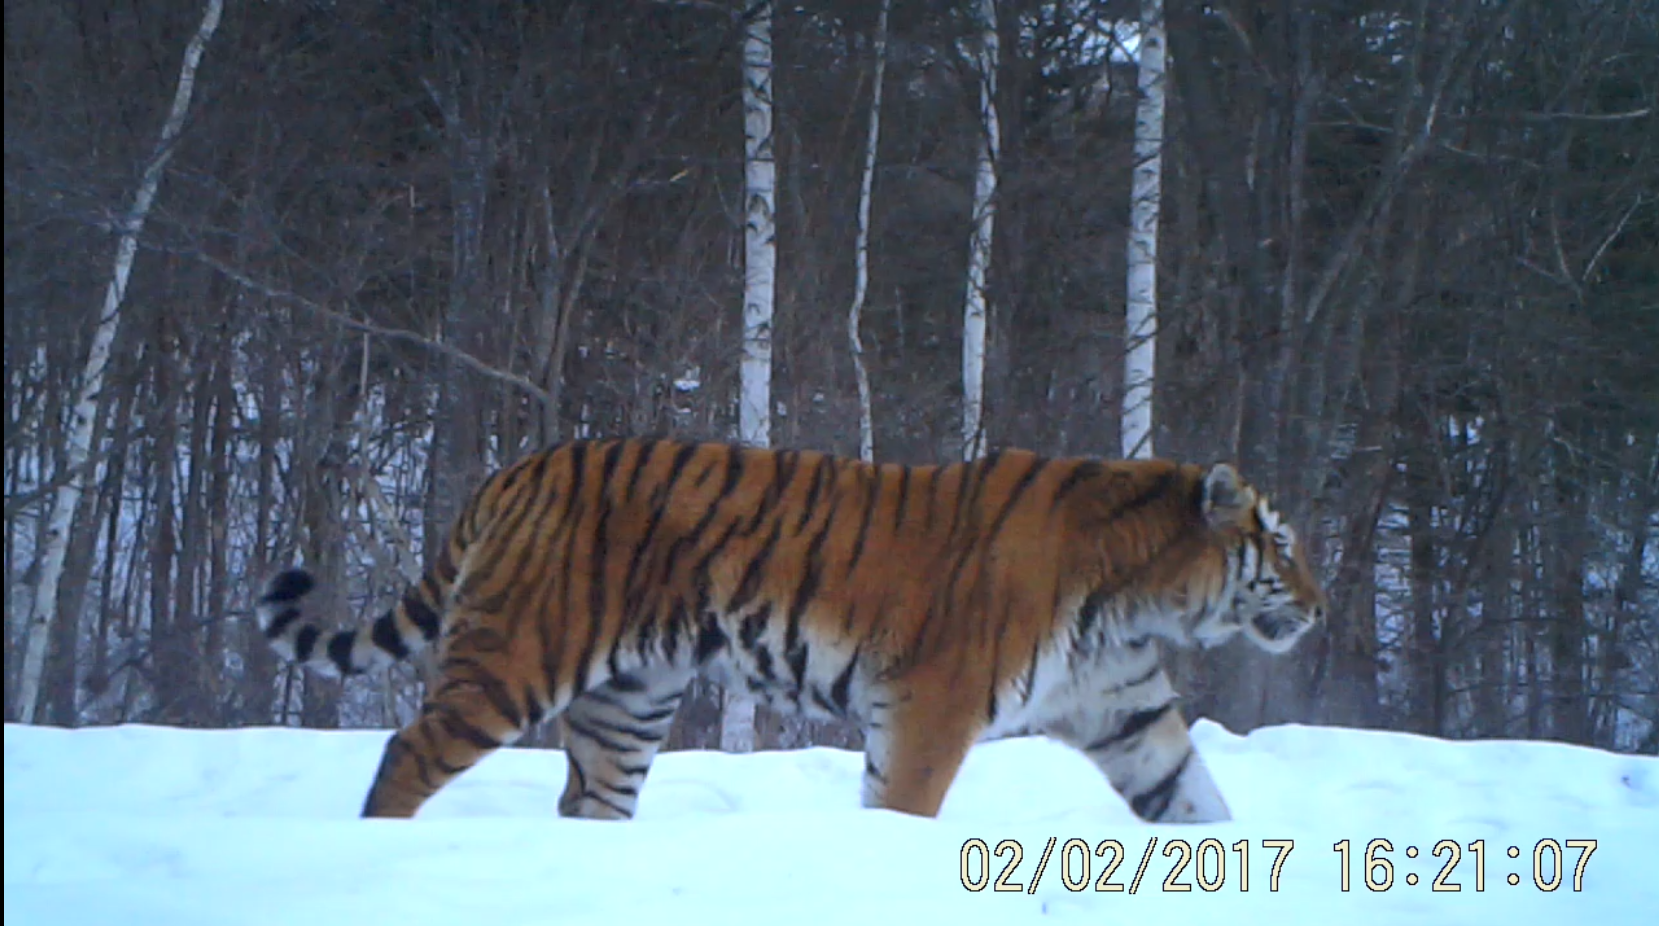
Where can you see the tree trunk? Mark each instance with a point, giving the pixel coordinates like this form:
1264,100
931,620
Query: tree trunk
1566,627
97,363
334,401
256,688
974,313
213,681
1626,592
1425,667
169,651
1141,326
760,262
866,420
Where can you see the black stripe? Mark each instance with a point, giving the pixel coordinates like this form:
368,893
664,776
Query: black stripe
763,665
525,511
700,571
973,481
843,683
642,459
1152,803
482,680
1081,471
339,650
596,569
935,481
586,732
755,571
288,585
423,617
874,476
773,495
304,641
280,622
566,525
904,496
1137,681
710,639
639,733
694,537
1020,486
1031,673
534,711
805,591
991,689
633,590
658,715
797,665
626,684
1158,489
822,474
462,729
677,468
1132,725
591,795
676,621
384,634
1090,612
734,472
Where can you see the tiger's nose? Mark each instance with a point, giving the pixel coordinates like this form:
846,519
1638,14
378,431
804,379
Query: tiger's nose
1318,613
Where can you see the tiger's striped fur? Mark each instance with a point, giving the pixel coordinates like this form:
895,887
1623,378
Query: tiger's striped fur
937,606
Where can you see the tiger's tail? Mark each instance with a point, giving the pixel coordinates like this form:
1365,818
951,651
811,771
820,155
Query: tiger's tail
406,628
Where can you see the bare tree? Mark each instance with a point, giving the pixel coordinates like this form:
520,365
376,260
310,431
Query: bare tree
1146,193
760,282
88,402
861,253
974,310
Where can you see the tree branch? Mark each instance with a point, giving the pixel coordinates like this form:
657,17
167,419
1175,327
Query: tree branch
397,334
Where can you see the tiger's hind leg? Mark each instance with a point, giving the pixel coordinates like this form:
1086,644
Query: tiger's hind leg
471,713
610,734
1146,752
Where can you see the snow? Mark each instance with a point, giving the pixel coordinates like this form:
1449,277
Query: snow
139,825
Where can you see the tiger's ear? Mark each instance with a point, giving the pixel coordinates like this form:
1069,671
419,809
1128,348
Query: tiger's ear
1225,499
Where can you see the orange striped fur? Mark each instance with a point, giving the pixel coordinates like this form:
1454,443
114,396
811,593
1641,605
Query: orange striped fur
937,606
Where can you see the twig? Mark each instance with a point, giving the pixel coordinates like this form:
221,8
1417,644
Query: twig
398,334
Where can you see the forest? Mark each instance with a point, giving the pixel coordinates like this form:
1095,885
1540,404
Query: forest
284,280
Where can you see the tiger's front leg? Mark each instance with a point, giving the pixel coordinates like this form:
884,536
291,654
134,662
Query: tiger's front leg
610,734
1141,743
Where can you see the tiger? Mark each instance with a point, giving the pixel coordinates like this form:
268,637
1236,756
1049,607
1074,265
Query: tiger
933,606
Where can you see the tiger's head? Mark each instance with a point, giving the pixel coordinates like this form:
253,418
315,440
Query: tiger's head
1271,594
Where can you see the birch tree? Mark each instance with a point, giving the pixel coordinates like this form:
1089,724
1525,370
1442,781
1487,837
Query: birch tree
861,284
1141,323
979,244
83,417
760,261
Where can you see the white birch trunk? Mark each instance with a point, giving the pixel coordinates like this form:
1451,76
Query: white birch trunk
1141,306
861,284
86,410
760,261
979,246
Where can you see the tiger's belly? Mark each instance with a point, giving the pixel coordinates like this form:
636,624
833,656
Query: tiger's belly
812,682
1066,685
822,683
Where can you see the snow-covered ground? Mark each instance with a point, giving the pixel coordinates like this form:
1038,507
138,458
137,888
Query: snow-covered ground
140,825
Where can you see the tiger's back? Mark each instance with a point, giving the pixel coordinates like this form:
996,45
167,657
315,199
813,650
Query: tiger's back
934,605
